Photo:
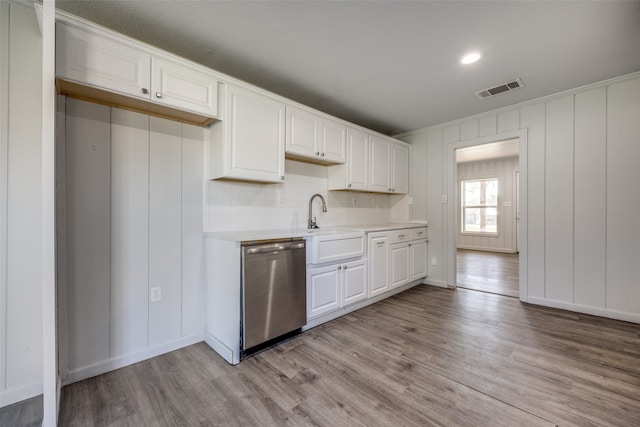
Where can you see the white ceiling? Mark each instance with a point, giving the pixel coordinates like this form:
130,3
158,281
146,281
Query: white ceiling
391,66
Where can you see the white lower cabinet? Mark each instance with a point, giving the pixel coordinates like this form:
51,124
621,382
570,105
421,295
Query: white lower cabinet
323,290
399,263
335,286
418,255
378,264
396,258
354,282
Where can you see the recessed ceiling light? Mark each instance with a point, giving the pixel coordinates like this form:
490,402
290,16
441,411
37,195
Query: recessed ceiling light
470,58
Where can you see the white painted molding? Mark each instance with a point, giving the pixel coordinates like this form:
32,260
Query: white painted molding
438,283
487,249
8,397
225,352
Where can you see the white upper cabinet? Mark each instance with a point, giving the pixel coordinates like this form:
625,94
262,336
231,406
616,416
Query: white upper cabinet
314,138
354,173
399,169
180,86
379,165
89,58
333,136
97,65
249,142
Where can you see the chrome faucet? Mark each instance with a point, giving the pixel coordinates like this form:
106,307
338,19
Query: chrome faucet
312,220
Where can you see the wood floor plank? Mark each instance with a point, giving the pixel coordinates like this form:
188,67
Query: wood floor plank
427,356
493,272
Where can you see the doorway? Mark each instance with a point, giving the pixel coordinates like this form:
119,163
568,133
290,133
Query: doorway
487,204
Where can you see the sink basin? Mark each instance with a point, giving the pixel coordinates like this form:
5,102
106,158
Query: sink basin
327,230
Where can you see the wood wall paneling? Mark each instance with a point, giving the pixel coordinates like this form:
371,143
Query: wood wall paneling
88,229
623,197
165,222
559,200
590,197
533,119
129,232
193,268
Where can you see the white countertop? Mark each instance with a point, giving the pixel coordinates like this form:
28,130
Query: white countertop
252,235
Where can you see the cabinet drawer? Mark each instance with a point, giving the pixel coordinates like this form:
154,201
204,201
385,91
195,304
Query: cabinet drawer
418,233
399,236
335,248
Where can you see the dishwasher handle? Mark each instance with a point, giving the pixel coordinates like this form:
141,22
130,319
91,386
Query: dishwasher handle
273,247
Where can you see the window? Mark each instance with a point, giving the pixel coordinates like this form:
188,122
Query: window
479,206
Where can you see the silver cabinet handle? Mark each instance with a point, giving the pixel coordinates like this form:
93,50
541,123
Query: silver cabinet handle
401,236
281,177
339,267
321,154
345,267
144,90
349,185
158,95
317,153
380,244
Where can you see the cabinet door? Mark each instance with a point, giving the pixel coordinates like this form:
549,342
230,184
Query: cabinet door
354,279
418,259
254,136
378,259
399,260
184,87
91,59
333,136
302,132
399,169
379,165
357,162
323,290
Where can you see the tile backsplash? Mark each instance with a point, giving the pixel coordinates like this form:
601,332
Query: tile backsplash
234,205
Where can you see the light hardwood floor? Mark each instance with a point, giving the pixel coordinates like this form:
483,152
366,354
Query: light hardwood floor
488,272
427,356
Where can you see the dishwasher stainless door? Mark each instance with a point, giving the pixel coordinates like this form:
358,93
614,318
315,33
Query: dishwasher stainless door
274,290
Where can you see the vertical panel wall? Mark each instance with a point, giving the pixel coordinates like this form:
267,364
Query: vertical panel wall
134,222
88,147
559,200
165,223
590,197
129,311
623,197
20,204
581,196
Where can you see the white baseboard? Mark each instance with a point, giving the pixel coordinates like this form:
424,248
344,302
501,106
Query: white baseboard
9,397
594,311
122,361
438,283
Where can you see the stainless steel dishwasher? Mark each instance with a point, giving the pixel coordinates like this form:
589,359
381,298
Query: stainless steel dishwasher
274,292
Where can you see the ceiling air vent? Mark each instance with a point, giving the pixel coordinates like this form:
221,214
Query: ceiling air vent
506,87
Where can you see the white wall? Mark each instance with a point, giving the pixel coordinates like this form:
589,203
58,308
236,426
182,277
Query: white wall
504,170
20,204
133,222
583,148
250,206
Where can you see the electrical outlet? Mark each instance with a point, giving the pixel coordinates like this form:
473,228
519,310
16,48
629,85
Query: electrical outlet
156,294
444,198
281,198
434,260
353,200
373,202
